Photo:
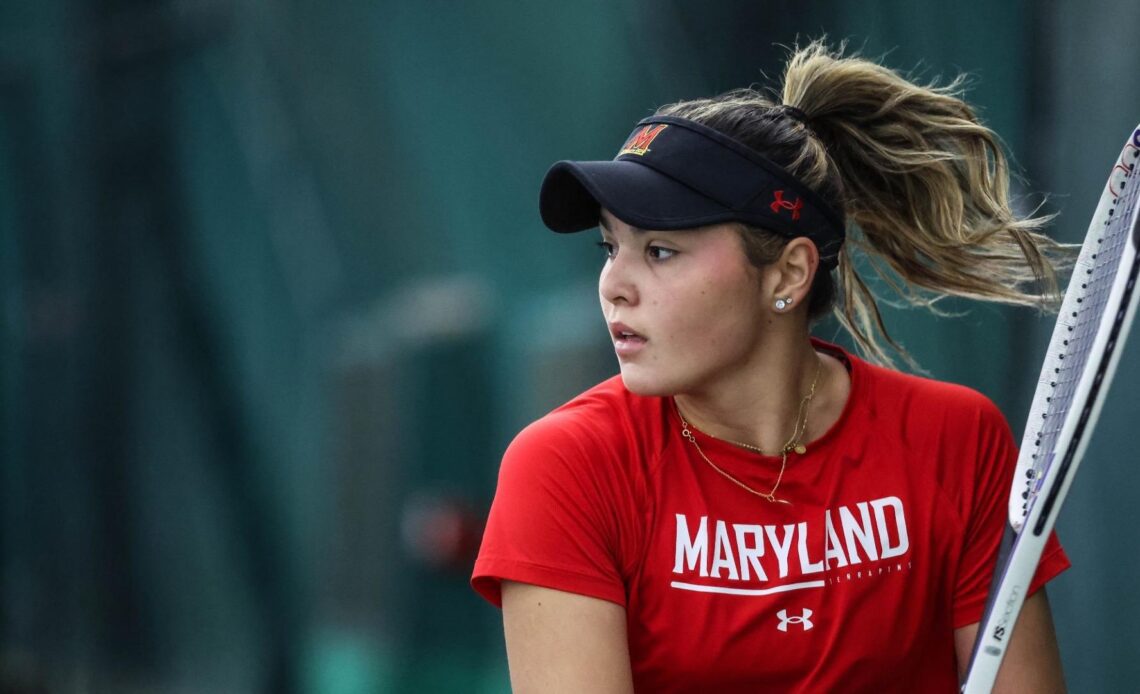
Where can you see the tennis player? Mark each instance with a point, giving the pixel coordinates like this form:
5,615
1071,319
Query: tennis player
748,508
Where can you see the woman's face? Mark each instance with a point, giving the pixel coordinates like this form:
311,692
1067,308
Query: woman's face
684,308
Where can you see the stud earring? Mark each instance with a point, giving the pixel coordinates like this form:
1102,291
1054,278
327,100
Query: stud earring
782,304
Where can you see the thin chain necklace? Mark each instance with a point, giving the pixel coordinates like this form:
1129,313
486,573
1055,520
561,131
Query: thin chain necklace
793,444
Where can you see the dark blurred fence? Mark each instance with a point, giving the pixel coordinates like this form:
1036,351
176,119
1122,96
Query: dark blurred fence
275,296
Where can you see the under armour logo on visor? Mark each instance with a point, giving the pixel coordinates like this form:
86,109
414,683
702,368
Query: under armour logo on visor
780,203
639,143
803,620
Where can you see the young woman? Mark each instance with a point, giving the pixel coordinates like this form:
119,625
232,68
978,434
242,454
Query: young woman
748,508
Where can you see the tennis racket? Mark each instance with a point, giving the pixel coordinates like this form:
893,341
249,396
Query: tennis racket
1096,312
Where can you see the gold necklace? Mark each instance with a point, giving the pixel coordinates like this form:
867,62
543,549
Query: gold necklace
793,443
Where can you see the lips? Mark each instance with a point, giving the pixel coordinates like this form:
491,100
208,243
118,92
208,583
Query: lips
621,331
627,341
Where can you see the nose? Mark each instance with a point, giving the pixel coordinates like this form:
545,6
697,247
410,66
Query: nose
616,283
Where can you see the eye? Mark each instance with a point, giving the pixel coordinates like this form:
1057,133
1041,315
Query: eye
607,248
660,252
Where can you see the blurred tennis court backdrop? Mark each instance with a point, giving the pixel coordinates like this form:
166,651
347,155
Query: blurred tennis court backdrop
275,296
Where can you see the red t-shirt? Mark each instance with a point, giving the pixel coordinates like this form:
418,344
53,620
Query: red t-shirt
888,545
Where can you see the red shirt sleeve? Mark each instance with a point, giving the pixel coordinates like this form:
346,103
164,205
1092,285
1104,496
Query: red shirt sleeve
987,518
563,513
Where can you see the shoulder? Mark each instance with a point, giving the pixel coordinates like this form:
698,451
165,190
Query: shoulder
570,501
952,436
596,416
955,432
605,429
941,423
916,399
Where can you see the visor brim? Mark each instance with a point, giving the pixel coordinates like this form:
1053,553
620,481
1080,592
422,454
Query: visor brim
573,193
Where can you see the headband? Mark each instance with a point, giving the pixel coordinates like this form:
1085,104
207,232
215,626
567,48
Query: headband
673,173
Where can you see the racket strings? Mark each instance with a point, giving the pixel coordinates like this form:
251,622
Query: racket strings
1089,291
1073,384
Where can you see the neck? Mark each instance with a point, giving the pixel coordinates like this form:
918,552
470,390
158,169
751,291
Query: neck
759,405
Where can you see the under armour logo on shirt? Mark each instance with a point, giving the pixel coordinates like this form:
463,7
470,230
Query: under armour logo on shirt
785,620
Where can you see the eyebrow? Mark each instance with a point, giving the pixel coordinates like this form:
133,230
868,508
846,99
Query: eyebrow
602,224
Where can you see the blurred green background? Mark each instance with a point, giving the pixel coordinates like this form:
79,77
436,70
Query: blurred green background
275,296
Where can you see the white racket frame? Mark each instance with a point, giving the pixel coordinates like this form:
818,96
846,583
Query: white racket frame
1044,476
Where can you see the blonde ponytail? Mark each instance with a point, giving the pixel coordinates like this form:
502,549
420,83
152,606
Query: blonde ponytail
923,184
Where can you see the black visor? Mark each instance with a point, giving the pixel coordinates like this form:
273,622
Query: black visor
673,173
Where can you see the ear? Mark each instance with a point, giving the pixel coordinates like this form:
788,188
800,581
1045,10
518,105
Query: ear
795,269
